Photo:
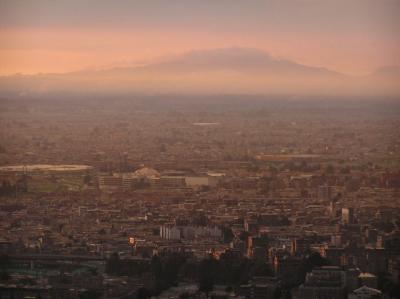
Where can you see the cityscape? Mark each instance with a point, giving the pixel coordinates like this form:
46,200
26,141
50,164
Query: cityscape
219,173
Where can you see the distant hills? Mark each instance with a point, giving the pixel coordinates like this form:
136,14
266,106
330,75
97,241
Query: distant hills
228,70
388,72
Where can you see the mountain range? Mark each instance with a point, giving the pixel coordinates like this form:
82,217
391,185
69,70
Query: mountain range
228,70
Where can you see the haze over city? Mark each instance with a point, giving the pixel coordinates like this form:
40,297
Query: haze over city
213,149
353,44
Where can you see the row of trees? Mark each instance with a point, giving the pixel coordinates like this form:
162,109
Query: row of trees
167,270
8,188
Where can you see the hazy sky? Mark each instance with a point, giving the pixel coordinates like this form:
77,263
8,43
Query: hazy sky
350,36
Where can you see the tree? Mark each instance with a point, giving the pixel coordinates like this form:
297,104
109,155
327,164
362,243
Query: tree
309,263
143,293
90,294
244,236
165,270
112,264
5,263
228,234
261,269
5,276
156,267
207,274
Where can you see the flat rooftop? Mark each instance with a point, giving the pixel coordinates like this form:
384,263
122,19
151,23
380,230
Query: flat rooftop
44,168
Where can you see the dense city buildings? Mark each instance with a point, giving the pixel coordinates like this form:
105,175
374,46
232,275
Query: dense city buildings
199,149
267,200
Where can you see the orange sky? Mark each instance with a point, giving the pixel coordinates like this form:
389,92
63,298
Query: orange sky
33,51
59,38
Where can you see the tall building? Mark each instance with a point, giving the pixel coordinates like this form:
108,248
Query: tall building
394,269
324,192
109,182
347,216
170,233
325,282
257,247
263,287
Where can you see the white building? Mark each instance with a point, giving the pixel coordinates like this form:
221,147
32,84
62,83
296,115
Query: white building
170,232
189,232
365,293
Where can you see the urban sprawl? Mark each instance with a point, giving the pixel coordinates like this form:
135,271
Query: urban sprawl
227,200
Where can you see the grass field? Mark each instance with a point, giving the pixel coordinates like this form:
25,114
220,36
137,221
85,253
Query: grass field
46,184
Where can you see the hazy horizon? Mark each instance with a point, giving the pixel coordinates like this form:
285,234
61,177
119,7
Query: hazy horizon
199,149
353,37
267,47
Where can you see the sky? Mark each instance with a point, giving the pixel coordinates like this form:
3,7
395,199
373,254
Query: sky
354,37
